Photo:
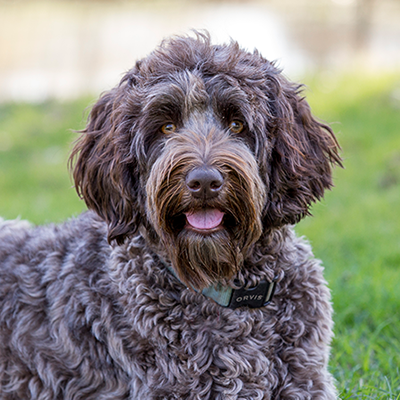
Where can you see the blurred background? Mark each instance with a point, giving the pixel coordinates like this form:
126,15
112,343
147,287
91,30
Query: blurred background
57,56
63,49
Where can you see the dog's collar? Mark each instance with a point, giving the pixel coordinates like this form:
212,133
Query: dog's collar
254,297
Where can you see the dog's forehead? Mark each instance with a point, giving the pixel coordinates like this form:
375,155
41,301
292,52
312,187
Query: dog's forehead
194,90
183,90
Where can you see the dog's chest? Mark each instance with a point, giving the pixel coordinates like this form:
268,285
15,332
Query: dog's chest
190,347
181,342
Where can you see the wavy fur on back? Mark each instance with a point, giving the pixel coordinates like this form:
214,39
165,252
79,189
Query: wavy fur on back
91,310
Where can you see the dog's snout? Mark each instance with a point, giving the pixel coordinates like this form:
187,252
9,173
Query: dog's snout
204,182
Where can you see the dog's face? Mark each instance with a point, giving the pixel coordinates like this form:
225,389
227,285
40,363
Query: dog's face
208,148
204,192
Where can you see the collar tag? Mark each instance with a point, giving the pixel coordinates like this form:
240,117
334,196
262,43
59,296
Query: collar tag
255,297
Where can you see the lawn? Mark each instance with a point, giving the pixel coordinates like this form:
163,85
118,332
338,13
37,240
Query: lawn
355,230
35,141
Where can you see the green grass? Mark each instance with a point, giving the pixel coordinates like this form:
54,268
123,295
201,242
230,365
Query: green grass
355,230
35,141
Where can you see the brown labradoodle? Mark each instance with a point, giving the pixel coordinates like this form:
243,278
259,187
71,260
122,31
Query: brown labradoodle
186,280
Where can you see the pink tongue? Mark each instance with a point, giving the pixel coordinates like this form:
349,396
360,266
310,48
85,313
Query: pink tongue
205,219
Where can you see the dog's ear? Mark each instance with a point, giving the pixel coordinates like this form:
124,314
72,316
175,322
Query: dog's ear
303,152
104,163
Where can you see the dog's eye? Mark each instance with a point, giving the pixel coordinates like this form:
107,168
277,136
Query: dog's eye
168,128
236,126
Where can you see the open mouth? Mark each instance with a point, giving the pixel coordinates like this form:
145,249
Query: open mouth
205,220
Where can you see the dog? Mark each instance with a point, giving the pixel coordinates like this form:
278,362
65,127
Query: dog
184,279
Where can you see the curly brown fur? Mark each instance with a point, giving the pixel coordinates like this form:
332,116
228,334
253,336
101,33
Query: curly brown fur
92,310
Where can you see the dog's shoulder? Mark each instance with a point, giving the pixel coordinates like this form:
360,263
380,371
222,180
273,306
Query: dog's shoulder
81,240
296,252
13,228
13,236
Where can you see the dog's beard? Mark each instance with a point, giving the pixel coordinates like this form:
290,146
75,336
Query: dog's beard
201,260
203,248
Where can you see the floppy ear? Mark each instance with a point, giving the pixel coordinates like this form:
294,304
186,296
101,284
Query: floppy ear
301,158
104,163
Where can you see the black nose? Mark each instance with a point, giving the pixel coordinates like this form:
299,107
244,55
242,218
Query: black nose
204,182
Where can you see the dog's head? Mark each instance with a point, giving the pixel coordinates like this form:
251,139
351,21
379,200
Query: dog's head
208,147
